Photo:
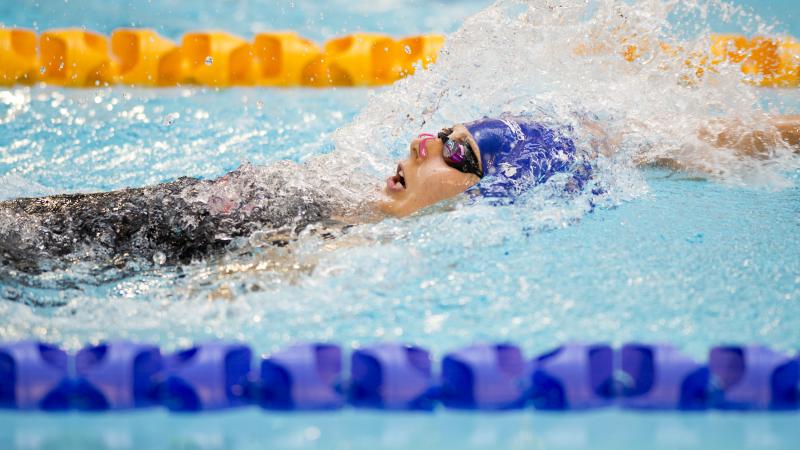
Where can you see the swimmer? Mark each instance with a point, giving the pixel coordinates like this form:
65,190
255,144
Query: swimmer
190,219
514,153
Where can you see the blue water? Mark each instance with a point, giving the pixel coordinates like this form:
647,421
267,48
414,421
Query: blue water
689,261
172,18
252,429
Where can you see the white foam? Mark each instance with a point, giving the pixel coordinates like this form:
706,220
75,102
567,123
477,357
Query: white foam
522,57
15,186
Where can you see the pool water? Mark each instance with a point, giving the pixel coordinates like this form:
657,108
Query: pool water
254,429
692,261
662,256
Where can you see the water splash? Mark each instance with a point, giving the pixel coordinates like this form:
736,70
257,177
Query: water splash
563,62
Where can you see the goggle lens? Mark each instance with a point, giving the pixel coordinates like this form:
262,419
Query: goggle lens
454,152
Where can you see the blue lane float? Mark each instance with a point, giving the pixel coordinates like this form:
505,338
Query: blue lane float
753,378
33,375
217,375
575,376
392,376
206,377
302,377
661,377
116,375
488,377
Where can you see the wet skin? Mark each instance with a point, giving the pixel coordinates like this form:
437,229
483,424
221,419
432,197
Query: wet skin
424,178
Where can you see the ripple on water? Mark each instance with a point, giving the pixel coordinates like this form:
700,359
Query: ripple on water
686,258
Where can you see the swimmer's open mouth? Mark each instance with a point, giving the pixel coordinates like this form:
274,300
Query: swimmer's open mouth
397,182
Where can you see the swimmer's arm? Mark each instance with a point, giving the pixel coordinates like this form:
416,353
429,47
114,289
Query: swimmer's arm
601,141
739,137
730,135
789,128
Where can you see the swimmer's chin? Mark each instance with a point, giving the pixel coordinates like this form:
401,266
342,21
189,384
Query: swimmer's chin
390,202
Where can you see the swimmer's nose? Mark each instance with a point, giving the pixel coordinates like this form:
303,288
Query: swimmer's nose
422,145
416,150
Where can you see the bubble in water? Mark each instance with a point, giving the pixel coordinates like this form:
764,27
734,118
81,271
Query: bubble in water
11,293
209,60
407,49
259,104
170,118
159,258
312,433
41,69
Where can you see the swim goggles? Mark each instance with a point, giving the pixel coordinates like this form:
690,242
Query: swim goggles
459,155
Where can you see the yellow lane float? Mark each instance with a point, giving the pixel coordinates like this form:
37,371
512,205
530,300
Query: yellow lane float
281,57
789,56
773,62
216,59
361,59
419,50
142,58
75,58
769,62
729,47
18,60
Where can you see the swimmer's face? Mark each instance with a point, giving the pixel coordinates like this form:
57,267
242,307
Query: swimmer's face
424,178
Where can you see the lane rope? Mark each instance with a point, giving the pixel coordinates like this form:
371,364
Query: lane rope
141,57
74,57
122,375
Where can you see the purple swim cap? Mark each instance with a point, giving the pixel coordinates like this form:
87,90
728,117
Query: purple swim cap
517,152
